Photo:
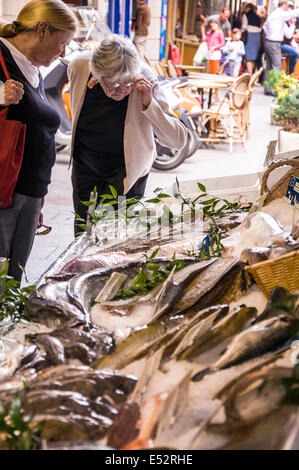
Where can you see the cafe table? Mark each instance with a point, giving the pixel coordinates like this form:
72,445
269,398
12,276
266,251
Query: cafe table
221,78
207,84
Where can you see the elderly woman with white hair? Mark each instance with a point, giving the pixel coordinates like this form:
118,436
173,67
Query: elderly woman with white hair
117,106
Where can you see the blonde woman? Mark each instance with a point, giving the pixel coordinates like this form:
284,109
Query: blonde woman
39,35
117,106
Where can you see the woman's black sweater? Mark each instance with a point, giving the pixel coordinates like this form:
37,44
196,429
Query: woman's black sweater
42,122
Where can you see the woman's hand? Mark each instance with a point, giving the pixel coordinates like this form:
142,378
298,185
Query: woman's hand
145,89
13,92
40,220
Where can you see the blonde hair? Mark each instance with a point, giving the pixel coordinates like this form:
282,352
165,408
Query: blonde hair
58,15
116,56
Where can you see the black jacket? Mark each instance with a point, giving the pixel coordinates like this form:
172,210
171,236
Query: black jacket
42,122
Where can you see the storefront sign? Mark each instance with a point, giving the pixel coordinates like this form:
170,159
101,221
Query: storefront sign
292,193
163,29
114,16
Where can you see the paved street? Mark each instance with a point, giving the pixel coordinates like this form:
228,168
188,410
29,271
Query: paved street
204,163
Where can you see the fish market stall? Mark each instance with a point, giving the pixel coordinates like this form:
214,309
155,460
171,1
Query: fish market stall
156,329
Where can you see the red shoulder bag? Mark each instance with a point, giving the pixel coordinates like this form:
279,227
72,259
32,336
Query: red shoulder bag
12,142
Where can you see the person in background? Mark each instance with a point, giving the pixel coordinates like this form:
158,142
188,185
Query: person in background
262,13
237,16
39,36
222,20
251,23
274,34
215,41
287,46
235,51
140,24
117,107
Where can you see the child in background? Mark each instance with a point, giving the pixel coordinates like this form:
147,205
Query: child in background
235,50
215,40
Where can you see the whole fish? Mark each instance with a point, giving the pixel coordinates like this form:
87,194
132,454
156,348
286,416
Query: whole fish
138,344
72,343
49,305
84,263
174,287
71,402
252,342
201,321
218,331
150,338
256,340
121,315
218,283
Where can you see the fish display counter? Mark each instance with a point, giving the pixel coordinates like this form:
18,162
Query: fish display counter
150,334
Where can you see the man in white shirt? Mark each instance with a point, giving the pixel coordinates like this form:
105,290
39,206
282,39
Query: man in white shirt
274,34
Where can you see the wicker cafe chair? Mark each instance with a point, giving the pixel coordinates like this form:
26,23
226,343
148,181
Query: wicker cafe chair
221,70
171,69
227,122
251,87
161,70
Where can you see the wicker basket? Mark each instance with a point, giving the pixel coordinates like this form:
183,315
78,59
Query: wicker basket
279,189
282,271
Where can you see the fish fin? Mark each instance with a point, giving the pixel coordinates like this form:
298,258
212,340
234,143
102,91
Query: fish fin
174,405
151,366
203,426
159,307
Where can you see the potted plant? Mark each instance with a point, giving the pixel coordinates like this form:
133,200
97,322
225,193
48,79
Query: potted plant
281,84
287,115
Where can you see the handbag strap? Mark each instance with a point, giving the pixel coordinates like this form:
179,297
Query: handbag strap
3,64
4,111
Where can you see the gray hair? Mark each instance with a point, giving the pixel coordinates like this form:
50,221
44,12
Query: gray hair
115,57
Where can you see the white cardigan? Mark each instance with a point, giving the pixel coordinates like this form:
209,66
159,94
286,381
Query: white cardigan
140,125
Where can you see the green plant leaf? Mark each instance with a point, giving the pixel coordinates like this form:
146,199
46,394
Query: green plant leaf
88,203
153,201
202,187
113,191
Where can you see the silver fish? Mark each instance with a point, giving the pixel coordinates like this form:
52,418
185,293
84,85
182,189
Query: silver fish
216,284
49,305
218,331
82,290
256,340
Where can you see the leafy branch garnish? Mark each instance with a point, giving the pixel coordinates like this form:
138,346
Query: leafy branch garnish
13,298
211,208
115,207
16,427
211,246
150,276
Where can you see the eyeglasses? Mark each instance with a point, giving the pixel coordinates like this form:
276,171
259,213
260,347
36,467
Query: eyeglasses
116,85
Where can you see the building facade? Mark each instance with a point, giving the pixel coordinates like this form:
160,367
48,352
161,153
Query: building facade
117,13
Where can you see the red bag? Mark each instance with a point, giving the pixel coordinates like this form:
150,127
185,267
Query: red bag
12,142
175,56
